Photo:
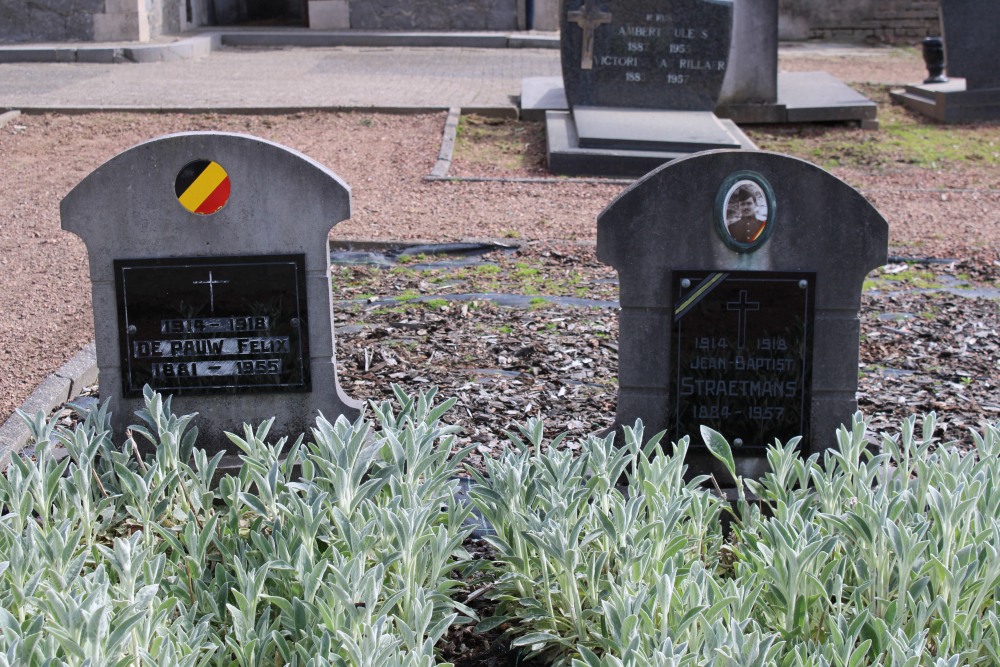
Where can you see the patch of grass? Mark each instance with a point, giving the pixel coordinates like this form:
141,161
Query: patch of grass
537,302
504,143
434,304
919,278
408,295
487,269
522,270
904,137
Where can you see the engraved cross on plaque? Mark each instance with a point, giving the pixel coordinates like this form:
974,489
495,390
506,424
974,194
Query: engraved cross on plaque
211,282
588,18
743,306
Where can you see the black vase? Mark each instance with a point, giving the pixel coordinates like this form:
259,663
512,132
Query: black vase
934,59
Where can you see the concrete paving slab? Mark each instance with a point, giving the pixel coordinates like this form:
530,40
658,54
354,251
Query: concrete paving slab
285,80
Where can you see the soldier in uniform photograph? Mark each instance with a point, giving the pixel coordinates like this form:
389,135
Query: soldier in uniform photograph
742,211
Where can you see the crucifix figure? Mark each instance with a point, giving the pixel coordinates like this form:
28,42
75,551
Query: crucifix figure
743,306
588,18
211,282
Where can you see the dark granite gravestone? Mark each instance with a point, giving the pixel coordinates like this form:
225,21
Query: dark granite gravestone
210,271
753,91
972,41
644,54
741,277
972,48
641,79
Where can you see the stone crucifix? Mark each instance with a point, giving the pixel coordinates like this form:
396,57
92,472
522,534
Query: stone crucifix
588,18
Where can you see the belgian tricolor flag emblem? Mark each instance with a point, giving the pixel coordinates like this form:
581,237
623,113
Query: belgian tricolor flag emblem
202,187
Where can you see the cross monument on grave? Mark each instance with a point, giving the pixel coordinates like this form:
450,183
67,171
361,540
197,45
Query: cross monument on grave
589,19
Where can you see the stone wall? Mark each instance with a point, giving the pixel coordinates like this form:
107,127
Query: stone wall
48,20
896,21
97,20
434,15
892,21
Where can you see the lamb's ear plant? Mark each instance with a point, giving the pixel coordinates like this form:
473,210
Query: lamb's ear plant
109,557
866,554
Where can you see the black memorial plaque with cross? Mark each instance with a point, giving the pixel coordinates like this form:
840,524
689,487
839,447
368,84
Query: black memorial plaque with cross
200,325
645,54
742,360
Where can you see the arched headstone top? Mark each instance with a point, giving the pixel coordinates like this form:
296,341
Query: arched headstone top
813,221
131,203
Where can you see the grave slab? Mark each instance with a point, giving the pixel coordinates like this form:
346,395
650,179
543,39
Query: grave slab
210,281
646,129
950,102
803,97
818,97
740,275
566,155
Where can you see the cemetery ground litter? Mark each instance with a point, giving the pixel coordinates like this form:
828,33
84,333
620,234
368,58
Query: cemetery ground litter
531,330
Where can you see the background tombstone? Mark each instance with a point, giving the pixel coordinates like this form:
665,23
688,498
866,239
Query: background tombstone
641,79
753,91
210,272
972,46
741,277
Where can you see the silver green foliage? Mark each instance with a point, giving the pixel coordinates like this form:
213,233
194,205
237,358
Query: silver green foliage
882,551
331,550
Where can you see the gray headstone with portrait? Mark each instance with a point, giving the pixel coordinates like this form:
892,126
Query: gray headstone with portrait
641,79
210,281
972,46
741,276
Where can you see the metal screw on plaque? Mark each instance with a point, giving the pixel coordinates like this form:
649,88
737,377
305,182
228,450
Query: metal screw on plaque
933,48
295,322
685,283
738,442
131,329
803,284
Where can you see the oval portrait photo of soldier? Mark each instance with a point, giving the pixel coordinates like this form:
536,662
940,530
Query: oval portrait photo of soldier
746,212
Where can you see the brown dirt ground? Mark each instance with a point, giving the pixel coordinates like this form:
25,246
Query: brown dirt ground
949,208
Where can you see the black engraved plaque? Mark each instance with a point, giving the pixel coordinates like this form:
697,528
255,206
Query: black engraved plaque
742,355
213,325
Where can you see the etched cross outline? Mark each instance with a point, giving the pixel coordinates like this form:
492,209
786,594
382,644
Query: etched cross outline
743,306
211,282
588,18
